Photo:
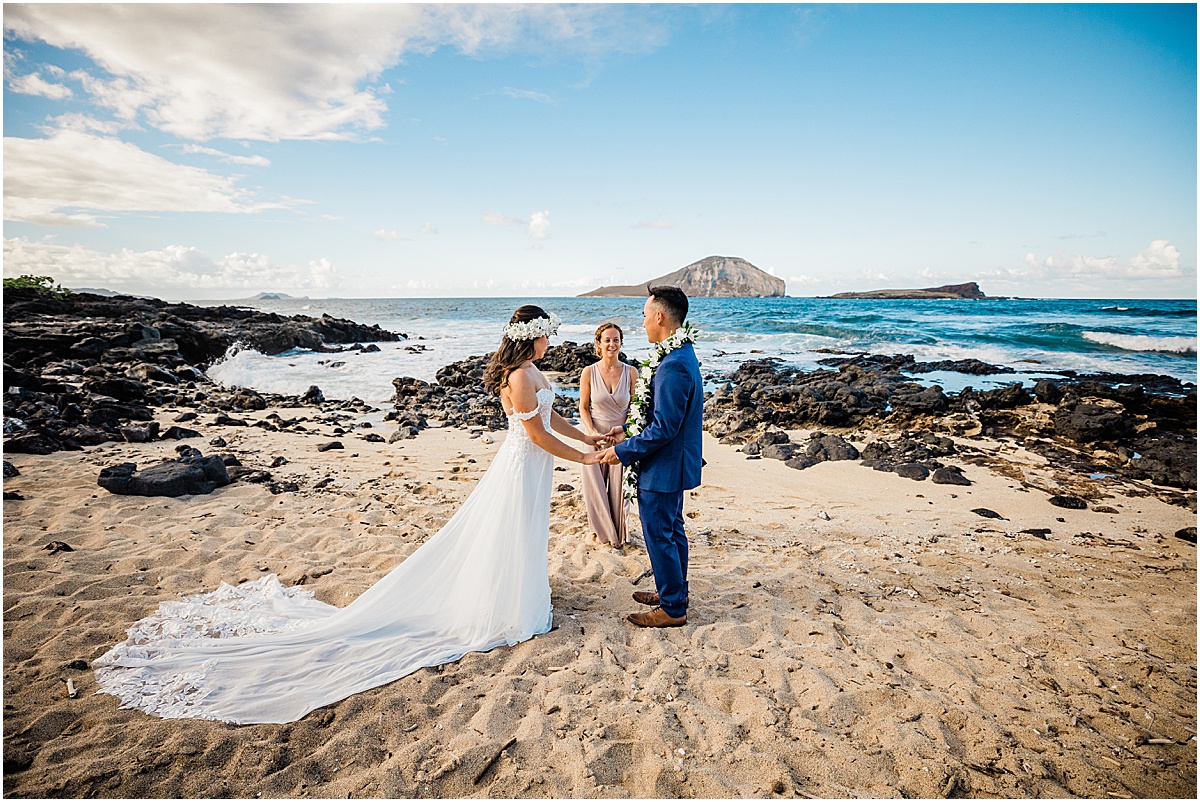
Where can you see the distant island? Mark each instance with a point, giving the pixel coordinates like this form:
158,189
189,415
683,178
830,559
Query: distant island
275,296
104,293
711,277
968,291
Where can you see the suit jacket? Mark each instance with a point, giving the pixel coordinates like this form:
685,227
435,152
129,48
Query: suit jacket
669,448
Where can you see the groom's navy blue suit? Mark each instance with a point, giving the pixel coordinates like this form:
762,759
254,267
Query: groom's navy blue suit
669,453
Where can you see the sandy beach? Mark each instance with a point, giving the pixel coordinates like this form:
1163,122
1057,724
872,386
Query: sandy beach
851,633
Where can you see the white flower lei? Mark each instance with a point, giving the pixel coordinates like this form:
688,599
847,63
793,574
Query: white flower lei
532,329
639,402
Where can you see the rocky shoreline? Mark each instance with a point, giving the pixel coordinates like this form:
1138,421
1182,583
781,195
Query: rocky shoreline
89,369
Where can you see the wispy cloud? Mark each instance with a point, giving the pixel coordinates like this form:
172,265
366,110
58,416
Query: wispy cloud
253,161
385,235
63,179
176,269
657,223
498,219
34,84
427,228
524,94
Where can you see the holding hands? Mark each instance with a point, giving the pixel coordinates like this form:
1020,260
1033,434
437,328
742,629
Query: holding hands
604,441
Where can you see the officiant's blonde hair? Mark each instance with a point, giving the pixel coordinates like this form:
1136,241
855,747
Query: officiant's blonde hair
511,353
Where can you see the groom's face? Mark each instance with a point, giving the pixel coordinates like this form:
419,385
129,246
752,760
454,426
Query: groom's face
650,320
656,322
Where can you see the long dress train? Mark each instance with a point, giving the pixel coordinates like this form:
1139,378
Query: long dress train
263,653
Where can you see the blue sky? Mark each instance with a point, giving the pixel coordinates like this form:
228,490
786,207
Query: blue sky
217,151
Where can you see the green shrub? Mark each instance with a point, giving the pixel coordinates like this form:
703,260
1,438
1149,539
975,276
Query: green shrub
44,284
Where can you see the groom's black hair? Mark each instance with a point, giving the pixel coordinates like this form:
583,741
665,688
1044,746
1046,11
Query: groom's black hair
673,301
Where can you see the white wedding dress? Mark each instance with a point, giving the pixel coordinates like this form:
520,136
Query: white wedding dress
263,653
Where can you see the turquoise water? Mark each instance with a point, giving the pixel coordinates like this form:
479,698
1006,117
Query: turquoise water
1034,336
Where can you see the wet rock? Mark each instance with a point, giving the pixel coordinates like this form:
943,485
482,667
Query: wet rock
246,399
179,433
950,475
369,349
224,420
1047,391
404,433
1088,423
330,446
187,476
218,442
184,417
313,395
830,447
781,451
912,470
34,442
146,372
120,389
372,438
139,432
1069,502
1009,397
800,462
984,512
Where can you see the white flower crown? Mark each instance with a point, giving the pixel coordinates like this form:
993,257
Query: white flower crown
532,329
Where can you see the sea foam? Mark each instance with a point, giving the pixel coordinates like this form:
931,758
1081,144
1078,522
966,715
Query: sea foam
1138,342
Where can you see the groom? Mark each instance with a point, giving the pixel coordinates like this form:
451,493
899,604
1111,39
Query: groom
668,451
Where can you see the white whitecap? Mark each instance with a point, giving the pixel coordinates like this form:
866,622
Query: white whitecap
1139,342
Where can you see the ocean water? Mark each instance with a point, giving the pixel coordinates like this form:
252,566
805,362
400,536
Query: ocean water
1034,336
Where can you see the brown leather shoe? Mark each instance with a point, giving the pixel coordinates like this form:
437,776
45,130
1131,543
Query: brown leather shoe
658,617
645,597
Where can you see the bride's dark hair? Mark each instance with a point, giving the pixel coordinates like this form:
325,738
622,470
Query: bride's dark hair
511,353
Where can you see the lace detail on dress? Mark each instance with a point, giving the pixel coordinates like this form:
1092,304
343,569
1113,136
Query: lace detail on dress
252,608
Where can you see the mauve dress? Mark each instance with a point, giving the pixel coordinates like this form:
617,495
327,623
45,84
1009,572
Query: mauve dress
606,505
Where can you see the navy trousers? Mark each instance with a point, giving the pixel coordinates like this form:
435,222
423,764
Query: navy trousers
662,528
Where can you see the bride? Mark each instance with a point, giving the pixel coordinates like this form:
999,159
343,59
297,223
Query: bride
263,653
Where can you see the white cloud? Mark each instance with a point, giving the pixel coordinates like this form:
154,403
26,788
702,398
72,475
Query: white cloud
525,94
497,219
175,270
58,180
294,71
1160,259
657,223
34,84
82,123
427,228
539,225
384,234
802,280
253,161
